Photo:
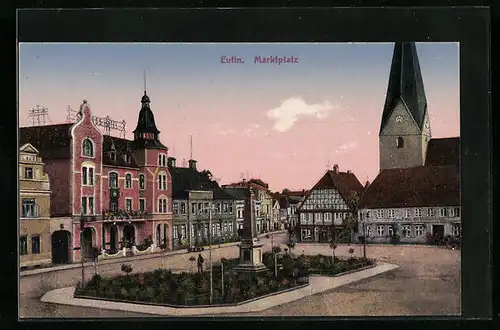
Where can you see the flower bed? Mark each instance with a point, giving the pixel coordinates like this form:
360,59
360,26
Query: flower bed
193,289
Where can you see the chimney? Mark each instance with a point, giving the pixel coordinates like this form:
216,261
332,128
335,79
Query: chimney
171,162
349,171
192,164
336,168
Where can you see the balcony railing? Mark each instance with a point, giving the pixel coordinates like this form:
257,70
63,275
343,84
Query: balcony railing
86,218
125,215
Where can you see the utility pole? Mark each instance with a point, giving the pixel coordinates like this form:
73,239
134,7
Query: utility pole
222,276
364,241
82,226
210,251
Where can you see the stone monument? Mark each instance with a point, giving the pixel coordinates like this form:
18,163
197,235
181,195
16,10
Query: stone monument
250,248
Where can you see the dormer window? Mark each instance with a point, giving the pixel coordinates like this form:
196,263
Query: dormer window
127,158
88,148
112,155
400,142
28,173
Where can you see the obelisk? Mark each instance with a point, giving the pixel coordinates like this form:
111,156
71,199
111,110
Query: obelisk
250,248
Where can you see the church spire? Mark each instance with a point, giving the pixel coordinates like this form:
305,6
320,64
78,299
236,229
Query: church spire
405,84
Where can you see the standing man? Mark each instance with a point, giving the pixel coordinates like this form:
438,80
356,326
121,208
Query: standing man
200,263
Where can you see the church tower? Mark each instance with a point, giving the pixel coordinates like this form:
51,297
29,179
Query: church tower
146,135
405,127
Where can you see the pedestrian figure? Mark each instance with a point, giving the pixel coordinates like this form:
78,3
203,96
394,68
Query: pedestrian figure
200,263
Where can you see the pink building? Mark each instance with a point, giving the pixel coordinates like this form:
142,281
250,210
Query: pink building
114,193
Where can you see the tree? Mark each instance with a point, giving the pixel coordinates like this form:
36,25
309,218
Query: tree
95,253
351,223
207,174
292,239
333,246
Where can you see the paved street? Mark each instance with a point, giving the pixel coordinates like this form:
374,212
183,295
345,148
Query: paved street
427,282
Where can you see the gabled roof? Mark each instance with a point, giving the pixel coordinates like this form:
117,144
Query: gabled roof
29,148
346,183
258,182
283,202
238,193
406,84
443,152
185,179
423,186
121,147
52,141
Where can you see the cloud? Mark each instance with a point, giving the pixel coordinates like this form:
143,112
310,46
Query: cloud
294,108
346,147
250,129
227,132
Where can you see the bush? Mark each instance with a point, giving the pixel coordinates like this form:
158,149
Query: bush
126,268
395,239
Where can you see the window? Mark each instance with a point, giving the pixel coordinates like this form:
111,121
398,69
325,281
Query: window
183,230
390,213
112,154
368,231
87,205
239,214
35,244
88,148
419,231
310,217
192,230
113,205
367,216
418,213
23,245
443,212
400,142
162,160
128,180
205,208
213,229
406,231
390,230
183,208
205,229
327,217
162,205
306,233
128,204
218,227
225,208
142,182
175,208
175,233
113,180
29,208
200,208
28,173
380,230
88,176
317,217
219,209
407,213
142,204
380,213
230,227
456,212
430,212
230,207
225,227
457,230
127,158
162,181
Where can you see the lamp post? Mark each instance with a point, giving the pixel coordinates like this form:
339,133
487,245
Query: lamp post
82,226
364,241
210,249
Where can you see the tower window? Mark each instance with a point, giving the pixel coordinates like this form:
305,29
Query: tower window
400,142
88,148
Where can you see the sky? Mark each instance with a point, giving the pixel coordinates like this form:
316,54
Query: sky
283,123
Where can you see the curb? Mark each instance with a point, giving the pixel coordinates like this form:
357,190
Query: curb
65,296
127,259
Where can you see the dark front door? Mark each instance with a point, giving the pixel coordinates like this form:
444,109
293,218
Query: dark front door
113,239
60,247
86,242
129,234
438,232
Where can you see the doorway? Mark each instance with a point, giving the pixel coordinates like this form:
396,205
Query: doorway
60,247
86,242
129,234
113,239
438,232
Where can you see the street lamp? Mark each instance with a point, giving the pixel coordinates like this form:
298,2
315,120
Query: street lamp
210,209
364,240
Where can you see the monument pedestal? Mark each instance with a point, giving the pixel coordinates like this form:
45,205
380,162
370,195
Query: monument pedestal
250,257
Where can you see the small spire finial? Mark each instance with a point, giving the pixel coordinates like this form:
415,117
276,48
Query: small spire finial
145,82
190,147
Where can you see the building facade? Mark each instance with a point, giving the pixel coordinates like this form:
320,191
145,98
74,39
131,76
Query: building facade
34,209
116,193
324,211
197,200
416,195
